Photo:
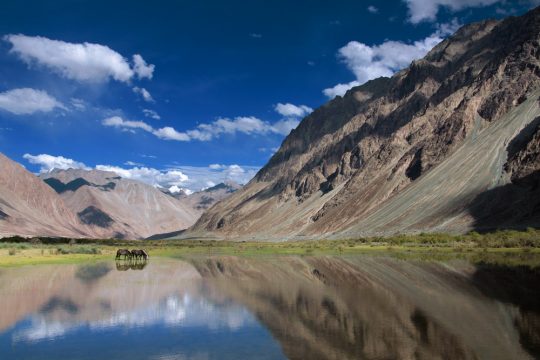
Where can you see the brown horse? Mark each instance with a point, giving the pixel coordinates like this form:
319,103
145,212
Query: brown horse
140,254
125,252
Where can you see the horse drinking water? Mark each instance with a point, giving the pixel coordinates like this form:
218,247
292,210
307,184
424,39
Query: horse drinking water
123,252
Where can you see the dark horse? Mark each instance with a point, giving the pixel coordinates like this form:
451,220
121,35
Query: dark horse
140,254
125,252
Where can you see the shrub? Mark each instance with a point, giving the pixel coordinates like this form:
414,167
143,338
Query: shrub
78,250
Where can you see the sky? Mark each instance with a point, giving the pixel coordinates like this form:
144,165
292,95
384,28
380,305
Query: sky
187,94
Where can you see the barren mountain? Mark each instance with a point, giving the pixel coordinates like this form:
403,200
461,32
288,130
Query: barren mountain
449,144
203,200
120,207
29,207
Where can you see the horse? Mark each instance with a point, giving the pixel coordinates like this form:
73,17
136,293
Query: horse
145,255
140,254
127,254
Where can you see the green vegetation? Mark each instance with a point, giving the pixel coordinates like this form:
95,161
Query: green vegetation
519,245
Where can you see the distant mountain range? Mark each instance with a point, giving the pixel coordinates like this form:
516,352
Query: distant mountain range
449,144
94,203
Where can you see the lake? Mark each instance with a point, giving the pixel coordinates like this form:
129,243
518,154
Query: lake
281,307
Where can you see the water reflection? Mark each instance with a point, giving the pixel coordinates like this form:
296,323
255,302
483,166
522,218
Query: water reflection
296,307
125,265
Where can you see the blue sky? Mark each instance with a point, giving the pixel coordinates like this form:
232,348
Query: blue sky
190,93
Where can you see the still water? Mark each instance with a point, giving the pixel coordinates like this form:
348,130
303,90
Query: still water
225,307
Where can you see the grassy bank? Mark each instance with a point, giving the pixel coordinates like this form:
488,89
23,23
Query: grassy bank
20,251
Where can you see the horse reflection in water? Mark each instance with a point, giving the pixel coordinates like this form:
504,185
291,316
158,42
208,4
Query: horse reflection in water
130,264
134,259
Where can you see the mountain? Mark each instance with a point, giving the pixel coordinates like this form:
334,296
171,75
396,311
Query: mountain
198,201
450,143
203,200
29,207
121,208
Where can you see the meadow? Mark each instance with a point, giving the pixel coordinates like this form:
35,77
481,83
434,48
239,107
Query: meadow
506,246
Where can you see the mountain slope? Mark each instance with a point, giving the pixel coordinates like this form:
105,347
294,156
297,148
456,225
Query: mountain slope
422,151
205,199
29,207
121,208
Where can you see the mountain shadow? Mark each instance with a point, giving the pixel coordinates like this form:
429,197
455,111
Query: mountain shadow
94,216
74,185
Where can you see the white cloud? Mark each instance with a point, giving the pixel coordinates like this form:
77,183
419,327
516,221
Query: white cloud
204,177
147,175
339,89
205,132
255,35
141,68
85,62
284,126
144,94
372,9
118,122
370,62
175,189
49,162
291,110
169,133
78,104
426,10
28,101
133,163
151,114
189,178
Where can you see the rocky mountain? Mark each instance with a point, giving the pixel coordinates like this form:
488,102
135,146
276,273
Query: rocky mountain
29,207
205,199
450,143
121,208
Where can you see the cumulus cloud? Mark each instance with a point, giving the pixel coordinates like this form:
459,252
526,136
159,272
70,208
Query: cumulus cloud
426,10
372,9
151,114
144,94
141,68
205,132
48,162
28,101
85,62
291,110
370,62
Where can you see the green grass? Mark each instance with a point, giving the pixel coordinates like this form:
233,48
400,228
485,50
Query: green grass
519,244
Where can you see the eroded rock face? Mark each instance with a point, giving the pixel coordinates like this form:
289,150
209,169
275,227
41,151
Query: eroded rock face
409,153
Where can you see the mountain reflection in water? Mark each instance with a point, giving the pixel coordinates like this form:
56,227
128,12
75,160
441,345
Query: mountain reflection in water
225,307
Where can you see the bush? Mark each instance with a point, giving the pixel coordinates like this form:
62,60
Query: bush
78,250
12,251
